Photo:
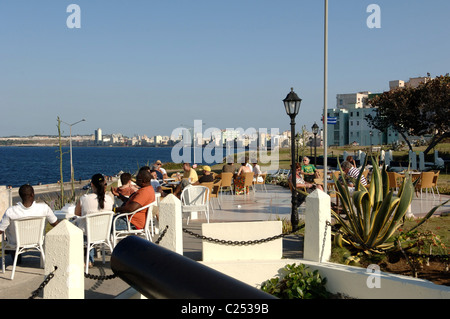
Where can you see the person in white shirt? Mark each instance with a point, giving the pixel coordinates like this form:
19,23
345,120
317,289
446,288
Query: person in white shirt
27,208
92,203
161,170
257,173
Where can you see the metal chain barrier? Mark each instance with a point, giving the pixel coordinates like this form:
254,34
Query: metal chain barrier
237,242
35,293
327,224
89,276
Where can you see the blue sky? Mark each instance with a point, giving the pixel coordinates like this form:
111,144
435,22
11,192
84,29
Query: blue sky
146,67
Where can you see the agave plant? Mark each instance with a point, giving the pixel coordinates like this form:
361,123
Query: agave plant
373,213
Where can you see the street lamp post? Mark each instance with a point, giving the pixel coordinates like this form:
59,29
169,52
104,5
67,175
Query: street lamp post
71,162
292,106
315,130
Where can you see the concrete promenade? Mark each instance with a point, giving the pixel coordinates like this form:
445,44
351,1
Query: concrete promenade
262,206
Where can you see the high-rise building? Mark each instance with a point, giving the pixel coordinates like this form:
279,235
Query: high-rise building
98,136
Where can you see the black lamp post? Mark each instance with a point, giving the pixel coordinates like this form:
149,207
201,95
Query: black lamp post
292,105
315,130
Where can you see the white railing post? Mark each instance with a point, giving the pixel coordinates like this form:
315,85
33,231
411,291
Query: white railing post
64,251
170,215
317,245
5,199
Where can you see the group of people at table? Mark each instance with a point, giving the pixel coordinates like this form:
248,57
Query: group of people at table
306,173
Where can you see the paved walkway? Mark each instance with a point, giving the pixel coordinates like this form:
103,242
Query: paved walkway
271,205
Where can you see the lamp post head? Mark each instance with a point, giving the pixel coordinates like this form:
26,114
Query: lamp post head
292,103
315,128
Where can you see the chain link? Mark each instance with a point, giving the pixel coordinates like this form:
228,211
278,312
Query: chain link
47,279
327,224
242,242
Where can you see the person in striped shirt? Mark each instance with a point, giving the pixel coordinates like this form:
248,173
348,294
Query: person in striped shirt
352,172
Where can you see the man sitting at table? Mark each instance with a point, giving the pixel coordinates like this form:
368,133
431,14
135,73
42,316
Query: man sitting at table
206,177
144,196
189,172
27,208
189,177
161,170
353,173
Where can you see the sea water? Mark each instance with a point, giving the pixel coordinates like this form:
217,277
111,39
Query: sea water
41,165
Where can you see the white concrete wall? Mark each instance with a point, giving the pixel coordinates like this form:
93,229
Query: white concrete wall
242,231
348,280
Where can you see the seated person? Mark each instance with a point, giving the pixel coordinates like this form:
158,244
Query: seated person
127,189
300,182
189,172
352,173
92,203
228,168
257,171
155,183
206,177
161,170
144,196
27,208
239,180
189,177
308,170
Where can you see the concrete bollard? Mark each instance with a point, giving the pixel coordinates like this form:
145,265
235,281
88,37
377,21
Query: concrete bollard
64,250
170,215
5,199
317,214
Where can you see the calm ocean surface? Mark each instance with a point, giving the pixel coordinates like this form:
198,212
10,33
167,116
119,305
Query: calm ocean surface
34,165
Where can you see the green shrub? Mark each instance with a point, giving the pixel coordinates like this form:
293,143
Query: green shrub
297,283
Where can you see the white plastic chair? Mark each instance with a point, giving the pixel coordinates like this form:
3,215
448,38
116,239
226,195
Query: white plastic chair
195,199
147,231
98,232
29,235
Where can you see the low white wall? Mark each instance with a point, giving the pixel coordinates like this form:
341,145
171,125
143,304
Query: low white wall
351,281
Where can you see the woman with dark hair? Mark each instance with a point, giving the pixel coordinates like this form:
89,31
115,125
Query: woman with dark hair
94,202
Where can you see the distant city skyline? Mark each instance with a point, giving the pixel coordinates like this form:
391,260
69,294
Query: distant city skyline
148,67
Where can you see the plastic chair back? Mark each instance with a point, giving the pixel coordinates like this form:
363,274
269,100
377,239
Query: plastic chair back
226,179
98,226
29,231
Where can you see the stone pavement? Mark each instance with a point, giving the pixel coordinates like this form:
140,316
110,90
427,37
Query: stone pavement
271,205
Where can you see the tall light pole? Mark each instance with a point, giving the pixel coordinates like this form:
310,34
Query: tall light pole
315,130
71,162
325,80
292,106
